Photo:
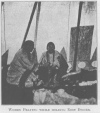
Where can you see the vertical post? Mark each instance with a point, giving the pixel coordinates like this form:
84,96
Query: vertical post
31,17
3,19
37,21
77,37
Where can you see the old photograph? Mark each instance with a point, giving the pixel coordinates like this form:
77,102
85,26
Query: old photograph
49,53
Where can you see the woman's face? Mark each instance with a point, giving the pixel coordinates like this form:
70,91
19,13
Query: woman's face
29,48
50,48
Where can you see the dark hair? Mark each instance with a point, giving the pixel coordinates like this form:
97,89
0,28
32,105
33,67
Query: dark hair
51,44
28,46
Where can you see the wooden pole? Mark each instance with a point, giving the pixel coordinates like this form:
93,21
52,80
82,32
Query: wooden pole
3,20
77,37
37,21
30,21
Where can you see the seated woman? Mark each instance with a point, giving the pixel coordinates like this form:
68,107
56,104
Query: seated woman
52,65
21,67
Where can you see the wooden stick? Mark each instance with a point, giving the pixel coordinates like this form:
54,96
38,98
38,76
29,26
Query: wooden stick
77,36
37,22
30,21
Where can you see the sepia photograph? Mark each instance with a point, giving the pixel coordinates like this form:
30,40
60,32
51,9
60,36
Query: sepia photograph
49,53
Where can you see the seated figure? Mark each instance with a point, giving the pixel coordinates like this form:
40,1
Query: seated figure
21,68
23,60
52,66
